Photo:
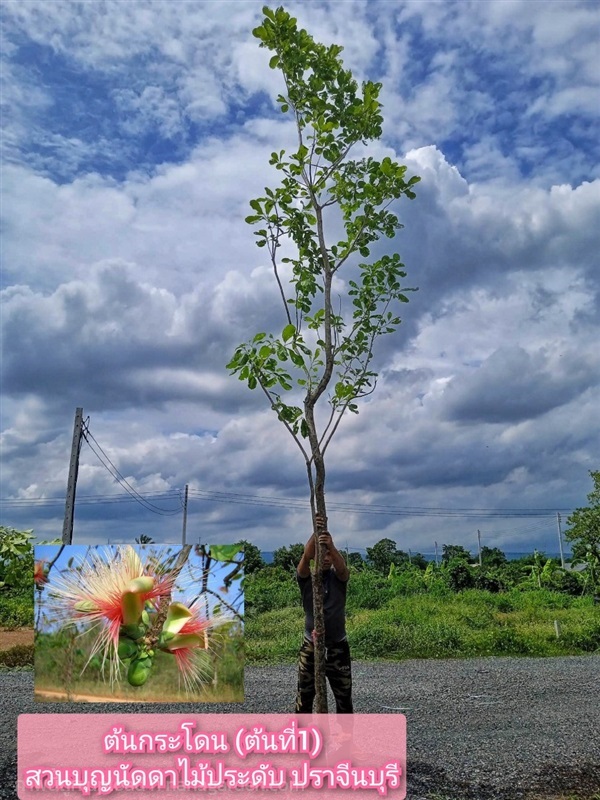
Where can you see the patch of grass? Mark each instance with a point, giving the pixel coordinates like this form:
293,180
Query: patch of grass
59,655
26,668
275,636
471,623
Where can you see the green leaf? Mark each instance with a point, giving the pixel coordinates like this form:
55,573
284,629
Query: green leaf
133,631
224,552
127,648
288,332
274,62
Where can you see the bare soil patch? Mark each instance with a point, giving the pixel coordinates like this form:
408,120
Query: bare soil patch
48,695
9,639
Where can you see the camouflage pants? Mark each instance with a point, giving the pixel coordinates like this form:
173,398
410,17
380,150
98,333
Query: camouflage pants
337,670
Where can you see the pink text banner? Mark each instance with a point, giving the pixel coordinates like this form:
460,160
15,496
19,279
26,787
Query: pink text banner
186,755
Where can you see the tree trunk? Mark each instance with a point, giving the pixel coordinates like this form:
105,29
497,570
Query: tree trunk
317,586
165,602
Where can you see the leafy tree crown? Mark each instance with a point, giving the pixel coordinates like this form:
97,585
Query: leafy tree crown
317,342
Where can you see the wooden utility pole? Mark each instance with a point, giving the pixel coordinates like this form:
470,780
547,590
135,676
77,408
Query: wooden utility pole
479,546
562,555
185,507
67,534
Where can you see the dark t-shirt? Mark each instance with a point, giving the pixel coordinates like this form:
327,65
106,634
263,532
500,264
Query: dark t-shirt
334,606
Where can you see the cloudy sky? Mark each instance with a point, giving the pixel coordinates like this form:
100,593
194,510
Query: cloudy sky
135,135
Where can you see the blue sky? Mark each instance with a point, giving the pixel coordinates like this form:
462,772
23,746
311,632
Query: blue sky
134,136
188,586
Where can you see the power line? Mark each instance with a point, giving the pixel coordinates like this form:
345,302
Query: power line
99,499
363,508
536,526
236,498
121,480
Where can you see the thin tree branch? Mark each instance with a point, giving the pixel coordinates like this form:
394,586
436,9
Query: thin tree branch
55,559
225,603
165,602
287,425
272,252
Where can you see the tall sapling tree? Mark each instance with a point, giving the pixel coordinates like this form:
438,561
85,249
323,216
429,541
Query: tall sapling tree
325,348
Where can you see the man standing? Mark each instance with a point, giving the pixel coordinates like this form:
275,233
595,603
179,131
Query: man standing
337,651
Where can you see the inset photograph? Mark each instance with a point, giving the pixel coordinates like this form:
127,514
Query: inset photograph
133,623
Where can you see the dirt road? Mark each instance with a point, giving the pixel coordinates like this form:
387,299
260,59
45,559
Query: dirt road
9,639
48,696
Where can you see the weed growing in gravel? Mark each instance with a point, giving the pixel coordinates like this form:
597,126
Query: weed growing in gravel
21,655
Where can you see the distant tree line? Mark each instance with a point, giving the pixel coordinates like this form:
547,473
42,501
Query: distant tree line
459,569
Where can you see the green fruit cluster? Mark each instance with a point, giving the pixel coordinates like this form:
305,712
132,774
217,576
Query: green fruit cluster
134,651
140,669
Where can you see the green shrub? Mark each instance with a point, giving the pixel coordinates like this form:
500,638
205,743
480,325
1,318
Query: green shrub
571,583
506,641
269,589
16,609
491,580
21,655
408,581
16,562
368,589
585,636
504,604
373,638
536,602
458,575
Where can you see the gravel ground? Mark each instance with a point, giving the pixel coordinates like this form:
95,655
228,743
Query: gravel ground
478,729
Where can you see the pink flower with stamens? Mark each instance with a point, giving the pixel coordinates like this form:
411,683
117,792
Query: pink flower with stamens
108,590
186,636
39,574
